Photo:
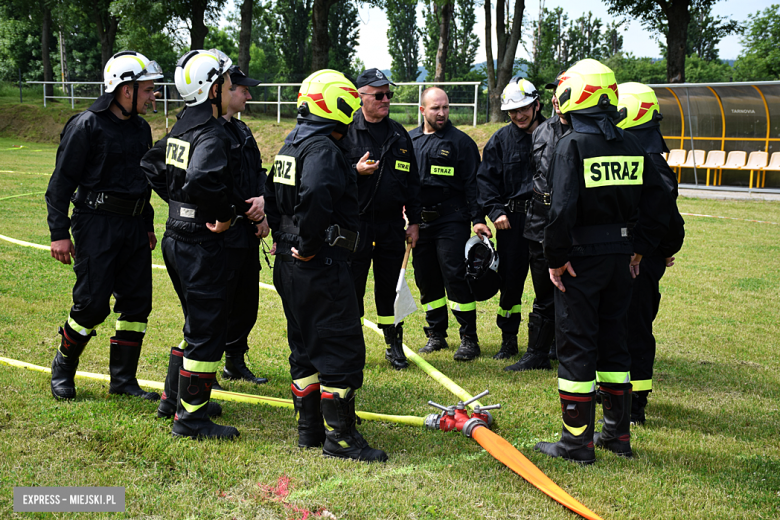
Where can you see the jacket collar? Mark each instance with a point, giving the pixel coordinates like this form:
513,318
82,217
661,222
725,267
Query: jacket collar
198,115
103,103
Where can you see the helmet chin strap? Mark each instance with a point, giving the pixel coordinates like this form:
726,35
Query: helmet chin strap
218,99
134,110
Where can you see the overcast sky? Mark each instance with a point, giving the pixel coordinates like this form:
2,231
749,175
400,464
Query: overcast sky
372,47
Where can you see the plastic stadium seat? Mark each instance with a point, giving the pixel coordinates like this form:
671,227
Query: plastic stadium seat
734,161
756,161
664,155
675,160
695,158
715,161
773,166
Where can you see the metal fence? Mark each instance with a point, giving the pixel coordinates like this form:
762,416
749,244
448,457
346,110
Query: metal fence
170,95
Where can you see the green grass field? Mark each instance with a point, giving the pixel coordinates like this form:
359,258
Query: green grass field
710,447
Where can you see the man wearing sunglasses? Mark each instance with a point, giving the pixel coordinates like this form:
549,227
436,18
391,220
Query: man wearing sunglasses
380,151
99,159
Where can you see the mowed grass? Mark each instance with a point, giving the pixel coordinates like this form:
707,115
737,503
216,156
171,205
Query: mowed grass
710,447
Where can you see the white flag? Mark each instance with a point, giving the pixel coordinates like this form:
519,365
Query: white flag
404,301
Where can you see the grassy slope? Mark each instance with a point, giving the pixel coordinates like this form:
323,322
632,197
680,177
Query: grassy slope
710,448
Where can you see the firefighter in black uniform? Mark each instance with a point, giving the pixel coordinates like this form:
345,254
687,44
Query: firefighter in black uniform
242,240
638,105
100,155
190,170
381,152
448,161
312,208
504,182
541,321
600,178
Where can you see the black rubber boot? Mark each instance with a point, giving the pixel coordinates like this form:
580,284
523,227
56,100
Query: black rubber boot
235,368
436,341
66,362
540,333
394,339
638,403
311,429
167,407
508,347
468,350
342,440
615,436
576,444
123,365
553,354
191,418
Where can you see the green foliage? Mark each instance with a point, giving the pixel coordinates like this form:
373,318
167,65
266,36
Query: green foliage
402,31
343,32
760,58
220,39
290,26
20,47
705,32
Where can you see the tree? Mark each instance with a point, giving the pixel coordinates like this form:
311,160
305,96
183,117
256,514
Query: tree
291,24
48,73
705,32
245,36
106,24
402,31
676,14
507,36
343,35
320,40
760,57
462,43
149,27
195,14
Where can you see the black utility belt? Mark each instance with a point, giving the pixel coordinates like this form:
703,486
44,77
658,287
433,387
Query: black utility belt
517,205
544,198
429,214
111,203
190,213
601,234
335,235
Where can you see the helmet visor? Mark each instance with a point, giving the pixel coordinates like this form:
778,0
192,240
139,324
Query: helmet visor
223,60
151,69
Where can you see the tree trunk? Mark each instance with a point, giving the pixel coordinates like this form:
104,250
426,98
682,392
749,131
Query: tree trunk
198,29
245,36
320,41
106,25
678,15
48,73
444,11
507,48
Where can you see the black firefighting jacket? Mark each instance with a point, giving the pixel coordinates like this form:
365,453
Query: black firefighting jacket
249,178
672,241
596,184
545,137
396,183
505,173
312,184
448,161
101,153
192,165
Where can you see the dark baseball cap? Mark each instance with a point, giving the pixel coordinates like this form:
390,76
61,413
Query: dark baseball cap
554,84
238,77
372,78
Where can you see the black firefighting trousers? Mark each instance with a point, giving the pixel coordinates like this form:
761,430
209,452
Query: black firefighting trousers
323,321
544,304
384,243
645,301
440,263
112,257
199,276
243,296
590,323
512,250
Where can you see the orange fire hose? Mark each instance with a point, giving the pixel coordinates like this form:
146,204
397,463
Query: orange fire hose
504,452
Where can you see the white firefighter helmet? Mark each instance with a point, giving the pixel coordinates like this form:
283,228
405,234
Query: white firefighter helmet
197,71
482,268
129,66
518,93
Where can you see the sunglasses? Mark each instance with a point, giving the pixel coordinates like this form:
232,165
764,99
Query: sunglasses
379,95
